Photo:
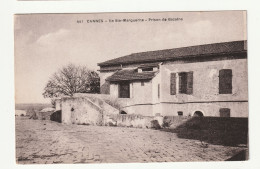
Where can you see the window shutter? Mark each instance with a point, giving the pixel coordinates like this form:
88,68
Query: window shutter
225,81
173,83
189,82
183,82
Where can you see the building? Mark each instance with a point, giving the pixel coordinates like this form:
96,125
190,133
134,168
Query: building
208,80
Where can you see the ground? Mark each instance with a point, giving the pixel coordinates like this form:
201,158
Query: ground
43,141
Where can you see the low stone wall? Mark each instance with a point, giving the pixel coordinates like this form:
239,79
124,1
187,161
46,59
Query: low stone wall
237,109
132,120
80,111
44,115
85,110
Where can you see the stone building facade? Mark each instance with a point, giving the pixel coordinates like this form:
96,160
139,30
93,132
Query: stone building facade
204,80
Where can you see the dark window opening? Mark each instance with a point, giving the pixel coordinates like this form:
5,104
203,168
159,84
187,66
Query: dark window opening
186,82
198,114
225,81
180,113
224,112
142,83
147,69
124,90
183,82
123,112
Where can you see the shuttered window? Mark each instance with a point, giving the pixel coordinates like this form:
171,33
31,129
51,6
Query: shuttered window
186,82
225,81
173,84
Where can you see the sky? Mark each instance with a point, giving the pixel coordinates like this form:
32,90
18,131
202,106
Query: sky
46,42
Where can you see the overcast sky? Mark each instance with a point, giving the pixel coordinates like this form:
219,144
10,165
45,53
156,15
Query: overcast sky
46,42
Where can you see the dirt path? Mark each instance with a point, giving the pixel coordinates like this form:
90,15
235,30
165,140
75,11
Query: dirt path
44,142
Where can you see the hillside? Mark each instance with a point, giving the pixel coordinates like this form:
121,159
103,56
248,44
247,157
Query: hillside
30,106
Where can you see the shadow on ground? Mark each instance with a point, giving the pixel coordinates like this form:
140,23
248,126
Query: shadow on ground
241,156
56,116
213,130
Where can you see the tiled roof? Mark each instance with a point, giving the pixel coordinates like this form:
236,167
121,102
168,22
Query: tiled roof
110,69
130,75
177,53
145,65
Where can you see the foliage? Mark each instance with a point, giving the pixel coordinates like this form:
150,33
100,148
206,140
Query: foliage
72,79
155,125
32,113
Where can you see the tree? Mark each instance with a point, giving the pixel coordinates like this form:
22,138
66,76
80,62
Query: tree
72,79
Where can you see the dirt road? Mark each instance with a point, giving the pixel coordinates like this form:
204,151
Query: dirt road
44,142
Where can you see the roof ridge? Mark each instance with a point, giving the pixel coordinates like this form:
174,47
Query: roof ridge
155,55
187,47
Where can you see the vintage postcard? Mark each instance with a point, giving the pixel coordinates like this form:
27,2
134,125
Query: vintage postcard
131,87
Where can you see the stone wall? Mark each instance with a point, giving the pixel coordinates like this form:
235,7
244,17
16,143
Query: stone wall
57,104
237,109
137,121
80,111
141,97
205,96
206,81
44,115
142,109
89,110
138,94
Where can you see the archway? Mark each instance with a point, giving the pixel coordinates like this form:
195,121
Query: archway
198,114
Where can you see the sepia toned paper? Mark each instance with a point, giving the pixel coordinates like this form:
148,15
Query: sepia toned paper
173,87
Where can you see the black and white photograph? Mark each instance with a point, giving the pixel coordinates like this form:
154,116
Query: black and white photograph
131,87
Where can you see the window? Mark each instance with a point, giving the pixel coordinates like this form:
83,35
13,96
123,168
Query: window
180,113
147,69
225,81
124,90
186,82
183,82
224,112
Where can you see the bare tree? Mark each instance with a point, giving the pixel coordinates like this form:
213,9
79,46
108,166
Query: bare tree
72,79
